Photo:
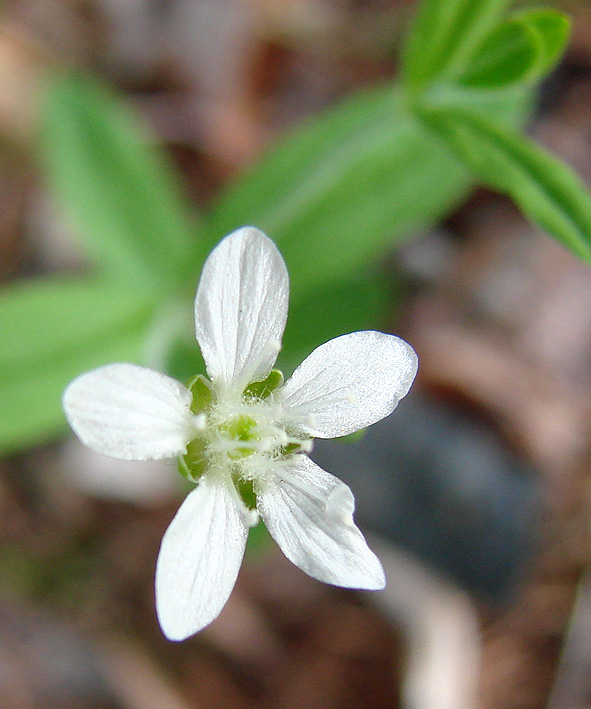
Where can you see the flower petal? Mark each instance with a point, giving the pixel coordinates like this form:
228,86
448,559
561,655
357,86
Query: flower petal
351,382
241,307
309,513
199,560
129,412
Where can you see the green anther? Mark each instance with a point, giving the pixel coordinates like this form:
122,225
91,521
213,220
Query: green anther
200,388
261,390
241,428
194,463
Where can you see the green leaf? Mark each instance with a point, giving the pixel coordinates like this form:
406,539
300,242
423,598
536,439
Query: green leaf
507,55
524,47
443,37
547,191
356,303
53,330
118,190
344,188
553,31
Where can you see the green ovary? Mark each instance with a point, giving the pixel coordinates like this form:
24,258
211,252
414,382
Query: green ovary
241,428
237,438
236,442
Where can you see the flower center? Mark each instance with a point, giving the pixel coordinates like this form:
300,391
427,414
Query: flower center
241,437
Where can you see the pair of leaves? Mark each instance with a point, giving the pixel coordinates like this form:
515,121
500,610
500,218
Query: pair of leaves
444,36
467,41
496,57
120,193
524,47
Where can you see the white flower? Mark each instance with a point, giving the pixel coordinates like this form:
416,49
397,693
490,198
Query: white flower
243,436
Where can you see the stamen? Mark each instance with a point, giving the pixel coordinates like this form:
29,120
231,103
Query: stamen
249,436
200,422
273,346
307,445
251,517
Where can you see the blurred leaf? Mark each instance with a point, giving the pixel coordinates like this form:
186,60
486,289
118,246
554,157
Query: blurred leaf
444,35
510,105
553,30
119,191
547,191
183,359
524,47
507,55
53,330
345,187
356,303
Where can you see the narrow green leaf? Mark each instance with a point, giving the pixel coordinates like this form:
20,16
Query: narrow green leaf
444,35
345,187
547,191
118,190
53,330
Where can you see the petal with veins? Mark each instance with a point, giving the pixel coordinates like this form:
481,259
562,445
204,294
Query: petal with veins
199,560
130,412
309,513
351,382
241,308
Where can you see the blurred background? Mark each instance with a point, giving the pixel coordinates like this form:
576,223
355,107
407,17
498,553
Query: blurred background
475,493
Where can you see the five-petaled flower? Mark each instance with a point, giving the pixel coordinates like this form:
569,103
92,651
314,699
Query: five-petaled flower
243,435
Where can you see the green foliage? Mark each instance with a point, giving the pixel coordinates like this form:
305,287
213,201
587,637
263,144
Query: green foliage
335,194
545,189
119,191
339,190
523,48
507,55
444,35
355,303
553,30
52,330
474,53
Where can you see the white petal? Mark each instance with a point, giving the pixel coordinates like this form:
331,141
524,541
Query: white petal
241,307
199,560
129,412
309,513
351,382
